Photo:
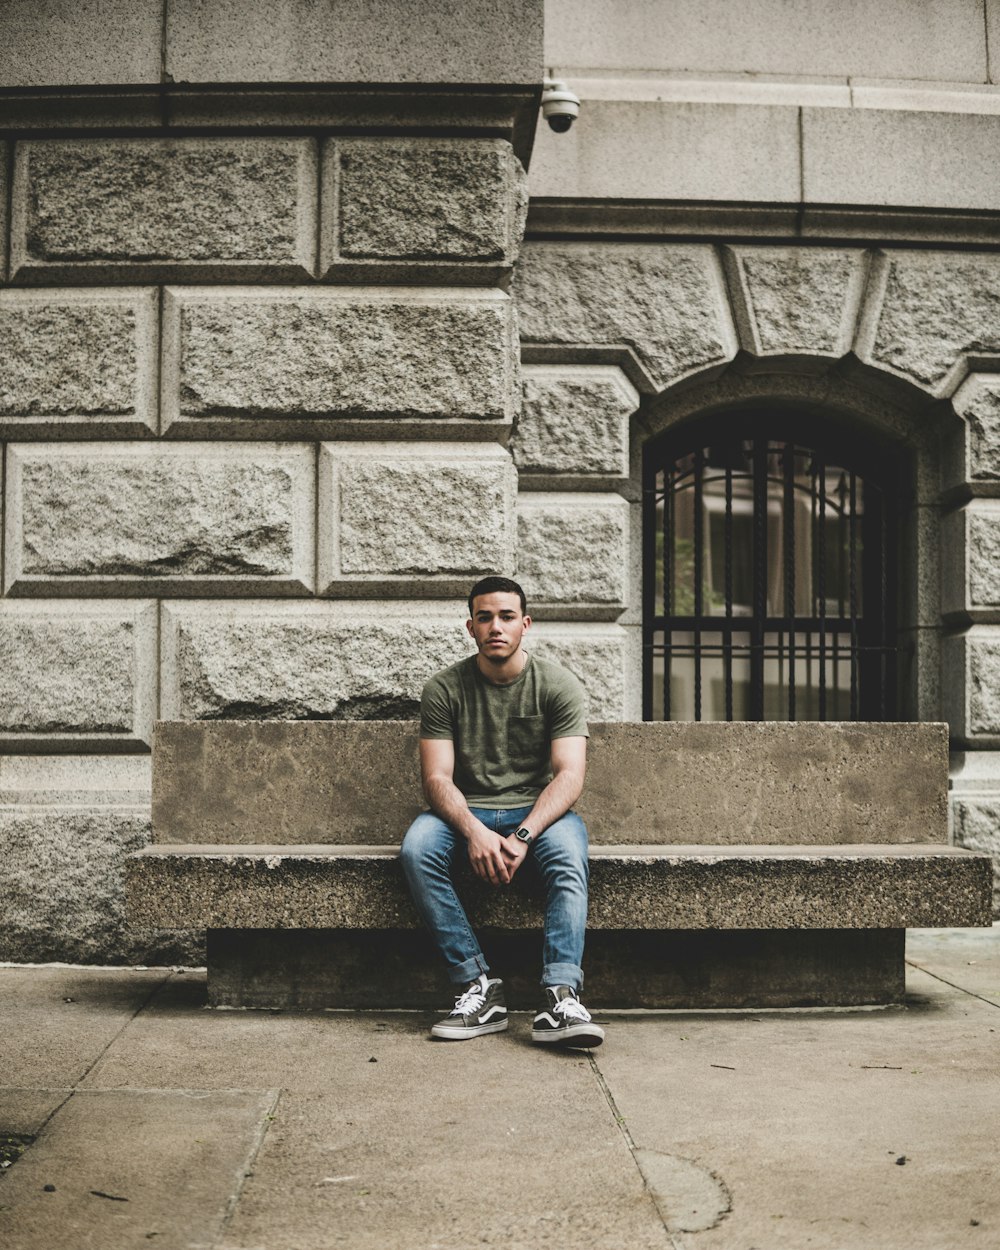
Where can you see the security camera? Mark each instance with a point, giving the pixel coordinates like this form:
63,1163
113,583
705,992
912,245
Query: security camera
560,107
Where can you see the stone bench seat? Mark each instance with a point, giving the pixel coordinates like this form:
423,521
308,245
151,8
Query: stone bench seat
731,864
874,886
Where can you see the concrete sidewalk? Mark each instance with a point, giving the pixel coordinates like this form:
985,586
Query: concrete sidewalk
161,1123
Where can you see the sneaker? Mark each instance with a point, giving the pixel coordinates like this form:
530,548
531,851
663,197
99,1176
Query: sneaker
564,1021
480,1008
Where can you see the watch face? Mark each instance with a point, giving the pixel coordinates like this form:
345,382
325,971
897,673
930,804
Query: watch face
523,835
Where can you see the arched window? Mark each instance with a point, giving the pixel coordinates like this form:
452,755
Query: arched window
769,573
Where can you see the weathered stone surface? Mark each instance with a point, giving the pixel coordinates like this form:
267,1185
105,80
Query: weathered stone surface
664,302
573,551
574,420
287,353
76,672
938,307
681,887
978,402
192,207
597,654
355,41
4,233
971,563
449,209
796,300
430,517
78,359
977,828
229,518
308,661
648,783
100,43
63,883
970,684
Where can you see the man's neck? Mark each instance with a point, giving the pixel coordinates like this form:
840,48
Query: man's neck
503,674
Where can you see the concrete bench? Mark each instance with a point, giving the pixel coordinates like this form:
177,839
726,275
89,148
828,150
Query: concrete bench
731,864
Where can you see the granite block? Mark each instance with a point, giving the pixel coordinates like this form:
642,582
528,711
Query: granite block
417,209
425,520
191,209
78,362
269,359
663,304
263,660
574,421
231,519
573,554
77,675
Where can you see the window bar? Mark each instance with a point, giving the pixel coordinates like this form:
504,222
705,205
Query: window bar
821,587
760,450
699,540
668,582
728,543
884,658
789,544
852,581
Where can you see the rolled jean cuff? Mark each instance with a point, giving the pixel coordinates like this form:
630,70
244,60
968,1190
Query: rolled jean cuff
463,973
563,974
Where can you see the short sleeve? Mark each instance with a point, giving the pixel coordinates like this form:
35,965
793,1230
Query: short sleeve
436,717
567,710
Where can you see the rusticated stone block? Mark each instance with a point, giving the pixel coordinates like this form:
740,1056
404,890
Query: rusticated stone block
428,517
665,303
437,210
599,655
308,661
64,883
977,827
977,461
77,673
285,355
970,685
796,300
174,519
937,308
192,208
78,361
971,563
574,421
573,553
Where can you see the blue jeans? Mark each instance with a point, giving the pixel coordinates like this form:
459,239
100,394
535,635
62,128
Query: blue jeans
430,852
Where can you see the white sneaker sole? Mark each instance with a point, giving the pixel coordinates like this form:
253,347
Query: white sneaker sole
453,1033
584,1036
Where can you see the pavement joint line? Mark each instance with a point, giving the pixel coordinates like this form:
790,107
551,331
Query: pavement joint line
111,1041
954,985
248,1166
623,1128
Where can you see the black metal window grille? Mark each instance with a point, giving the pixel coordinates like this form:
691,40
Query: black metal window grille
768,579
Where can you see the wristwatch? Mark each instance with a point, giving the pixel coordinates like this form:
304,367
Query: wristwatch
524,835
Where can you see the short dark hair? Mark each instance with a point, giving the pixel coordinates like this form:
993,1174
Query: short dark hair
492,585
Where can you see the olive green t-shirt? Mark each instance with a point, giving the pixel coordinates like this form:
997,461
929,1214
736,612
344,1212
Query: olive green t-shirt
502,734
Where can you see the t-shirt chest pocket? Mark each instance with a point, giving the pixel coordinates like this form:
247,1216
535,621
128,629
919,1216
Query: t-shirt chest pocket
527,743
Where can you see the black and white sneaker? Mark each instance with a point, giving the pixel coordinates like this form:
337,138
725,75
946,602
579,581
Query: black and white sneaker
480,1008
564,1021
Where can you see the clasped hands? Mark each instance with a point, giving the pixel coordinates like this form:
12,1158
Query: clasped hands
493,858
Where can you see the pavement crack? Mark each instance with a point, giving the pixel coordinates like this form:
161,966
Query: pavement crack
266,1120
954,984
675,1242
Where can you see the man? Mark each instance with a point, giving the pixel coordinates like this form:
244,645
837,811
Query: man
503,751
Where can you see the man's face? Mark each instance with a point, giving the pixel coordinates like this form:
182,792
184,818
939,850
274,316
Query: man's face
497,625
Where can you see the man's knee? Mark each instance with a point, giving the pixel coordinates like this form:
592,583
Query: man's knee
425,842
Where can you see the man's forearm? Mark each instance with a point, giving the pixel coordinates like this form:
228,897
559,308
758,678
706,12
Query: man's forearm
555,800
446,800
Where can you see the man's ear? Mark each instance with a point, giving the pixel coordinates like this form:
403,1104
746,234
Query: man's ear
469,627
526,622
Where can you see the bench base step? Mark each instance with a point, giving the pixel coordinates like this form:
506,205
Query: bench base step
752,968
